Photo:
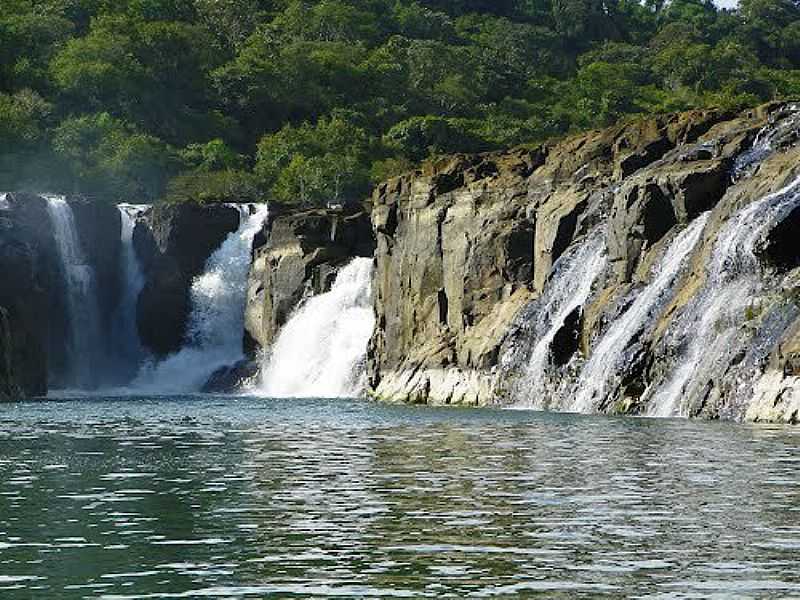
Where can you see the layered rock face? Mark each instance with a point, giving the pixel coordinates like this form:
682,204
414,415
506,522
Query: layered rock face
298,254
173,243
499,277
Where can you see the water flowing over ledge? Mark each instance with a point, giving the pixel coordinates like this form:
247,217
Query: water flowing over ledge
85,357
321,350
648,269
216,322
494,287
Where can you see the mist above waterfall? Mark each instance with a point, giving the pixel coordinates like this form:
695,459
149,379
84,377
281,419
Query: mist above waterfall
320,352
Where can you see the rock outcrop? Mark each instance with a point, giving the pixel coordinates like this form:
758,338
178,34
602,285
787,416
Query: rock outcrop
298,254
466,247
29,313
35,328
173,243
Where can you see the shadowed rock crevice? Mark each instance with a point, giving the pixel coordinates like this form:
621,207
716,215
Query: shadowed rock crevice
782,248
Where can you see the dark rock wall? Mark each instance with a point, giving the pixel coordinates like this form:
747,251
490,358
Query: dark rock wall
30,316
99,225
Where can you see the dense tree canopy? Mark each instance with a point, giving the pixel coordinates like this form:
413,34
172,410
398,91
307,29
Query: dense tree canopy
315,100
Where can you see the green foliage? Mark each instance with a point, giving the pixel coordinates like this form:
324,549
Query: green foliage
214,186
316,100
109,158
420,137
215,155
324,162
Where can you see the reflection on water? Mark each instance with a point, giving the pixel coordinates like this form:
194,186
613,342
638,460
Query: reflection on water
243,498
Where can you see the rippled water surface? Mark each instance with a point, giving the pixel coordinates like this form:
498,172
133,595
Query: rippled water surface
237,497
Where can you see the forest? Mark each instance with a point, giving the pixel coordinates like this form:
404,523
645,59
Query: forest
315,101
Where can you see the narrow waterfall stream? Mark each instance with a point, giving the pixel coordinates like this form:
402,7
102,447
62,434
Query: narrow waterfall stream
567,289
216,322
708,332
128,351
85,356
609,352
320,352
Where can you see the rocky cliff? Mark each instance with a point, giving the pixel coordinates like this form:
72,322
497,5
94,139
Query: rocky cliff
297,255
29,311
493,266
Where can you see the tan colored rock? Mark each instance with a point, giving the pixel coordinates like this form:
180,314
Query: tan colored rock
467,242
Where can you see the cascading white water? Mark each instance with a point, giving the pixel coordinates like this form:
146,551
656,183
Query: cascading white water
764,143
567,289
216,322
320,351
84,345
708,333
128,351
609,353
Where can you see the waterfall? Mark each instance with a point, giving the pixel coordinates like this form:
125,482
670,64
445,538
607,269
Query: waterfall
216,321
84,346
765,142
320,351
567,290
708,334
128,351
609,353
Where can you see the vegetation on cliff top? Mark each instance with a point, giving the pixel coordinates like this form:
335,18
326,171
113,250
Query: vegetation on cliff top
314,100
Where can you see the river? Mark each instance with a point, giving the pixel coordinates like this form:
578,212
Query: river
231,497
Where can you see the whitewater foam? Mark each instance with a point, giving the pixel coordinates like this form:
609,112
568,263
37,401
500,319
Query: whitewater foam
216,321
321,350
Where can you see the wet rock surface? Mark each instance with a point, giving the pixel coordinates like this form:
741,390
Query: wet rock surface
466,243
